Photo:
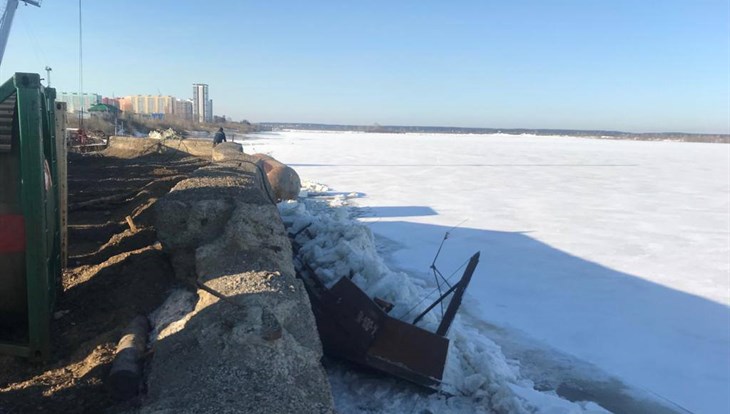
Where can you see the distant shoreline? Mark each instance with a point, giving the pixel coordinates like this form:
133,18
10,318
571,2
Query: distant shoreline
397,129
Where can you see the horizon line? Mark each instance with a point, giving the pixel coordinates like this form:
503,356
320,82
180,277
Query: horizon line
376,125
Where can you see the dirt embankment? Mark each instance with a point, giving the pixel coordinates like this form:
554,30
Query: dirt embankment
146,218
113,274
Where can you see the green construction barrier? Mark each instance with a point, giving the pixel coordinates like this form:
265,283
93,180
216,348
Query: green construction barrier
30,250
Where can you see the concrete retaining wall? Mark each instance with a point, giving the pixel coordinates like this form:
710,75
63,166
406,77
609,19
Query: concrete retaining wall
251,343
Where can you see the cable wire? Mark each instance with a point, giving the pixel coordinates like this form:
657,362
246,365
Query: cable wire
433,291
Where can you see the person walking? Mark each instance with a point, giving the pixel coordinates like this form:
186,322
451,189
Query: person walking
219,137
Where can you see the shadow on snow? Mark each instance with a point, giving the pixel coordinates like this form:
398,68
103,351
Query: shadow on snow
638,328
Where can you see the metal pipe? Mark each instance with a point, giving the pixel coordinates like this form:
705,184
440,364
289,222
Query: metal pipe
126,373
433,305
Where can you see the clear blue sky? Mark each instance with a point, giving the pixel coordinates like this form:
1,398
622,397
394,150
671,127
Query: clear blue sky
629,65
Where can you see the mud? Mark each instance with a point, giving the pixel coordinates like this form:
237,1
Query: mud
113,274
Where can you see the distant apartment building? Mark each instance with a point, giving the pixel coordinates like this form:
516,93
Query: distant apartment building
151,104
125,104
183,109
77,102
202,105
111,102
158,106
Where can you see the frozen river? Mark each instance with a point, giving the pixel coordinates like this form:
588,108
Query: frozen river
612,253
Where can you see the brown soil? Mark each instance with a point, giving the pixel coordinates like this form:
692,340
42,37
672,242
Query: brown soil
113,275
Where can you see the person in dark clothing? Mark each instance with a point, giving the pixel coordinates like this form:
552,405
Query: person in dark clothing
219,137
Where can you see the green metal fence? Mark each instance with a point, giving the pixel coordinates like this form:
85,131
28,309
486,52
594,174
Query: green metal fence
30,243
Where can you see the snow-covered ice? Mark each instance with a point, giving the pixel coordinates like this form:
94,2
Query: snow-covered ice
478,377
605,268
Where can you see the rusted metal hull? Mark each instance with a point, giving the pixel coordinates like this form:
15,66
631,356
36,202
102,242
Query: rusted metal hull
352,326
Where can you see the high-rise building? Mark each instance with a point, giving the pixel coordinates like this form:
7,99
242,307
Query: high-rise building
202,106
76,102
183,109
160,106
125,104
209,111
151,104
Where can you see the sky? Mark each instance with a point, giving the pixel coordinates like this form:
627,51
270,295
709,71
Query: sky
625,65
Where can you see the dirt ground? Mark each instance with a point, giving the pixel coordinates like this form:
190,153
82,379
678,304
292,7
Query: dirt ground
113,274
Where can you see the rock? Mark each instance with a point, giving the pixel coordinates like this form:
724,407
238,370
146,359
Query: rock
285,182
283,179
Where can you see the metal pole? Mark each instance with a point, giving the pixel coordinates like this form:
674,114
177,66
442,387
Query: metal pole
62,155
48,75
7,21
458,290
435,303
81,74
458,295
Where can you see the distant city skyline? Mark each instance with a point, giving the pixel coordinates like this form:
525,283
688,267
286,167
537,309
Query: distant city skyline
154,105
570,64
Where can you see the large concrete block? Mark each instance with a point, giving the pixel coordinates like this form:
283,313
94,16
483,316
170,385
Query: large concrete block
197,147
242,164
127,147
225,150
254,239
197,209
251,343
